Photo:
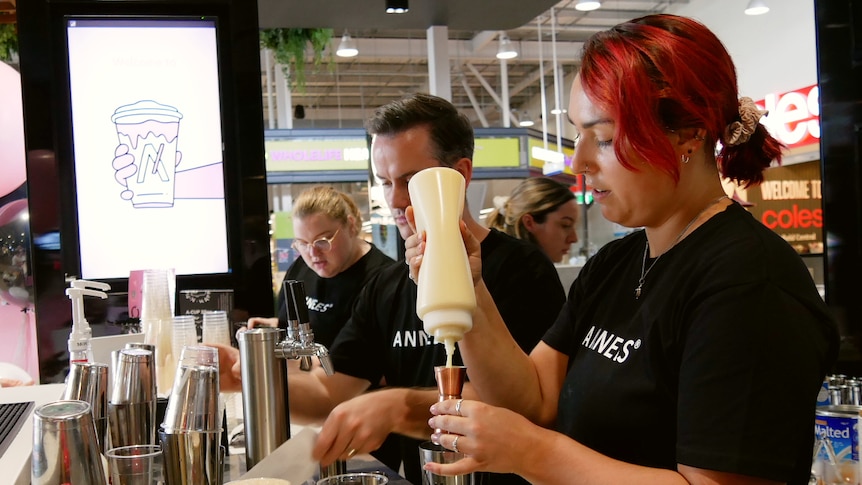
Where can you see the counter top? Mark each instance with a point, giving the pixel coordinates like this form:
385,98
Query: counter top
235,468
16,458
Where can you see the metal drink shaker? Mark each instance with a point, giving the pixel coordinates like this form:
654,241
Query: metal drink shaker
132,405
264,393
191,432
65,447
88,381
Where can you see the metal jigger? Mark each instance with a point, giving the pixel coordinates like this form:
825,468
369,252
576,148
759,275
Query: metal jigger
450,383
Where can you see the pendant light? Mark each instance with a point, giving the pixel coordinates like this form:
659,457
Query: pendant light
587,5
507,49
756,7
347,47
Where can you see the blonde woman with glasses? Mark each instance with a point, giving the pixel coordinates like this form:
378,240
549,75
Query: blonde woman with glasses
335,261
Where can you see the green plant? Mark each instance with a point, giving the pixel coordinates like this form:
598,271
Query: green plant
8,41
289,47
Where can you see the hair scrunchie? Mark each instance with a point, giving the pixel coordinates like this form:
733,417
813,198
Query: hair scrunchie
740,131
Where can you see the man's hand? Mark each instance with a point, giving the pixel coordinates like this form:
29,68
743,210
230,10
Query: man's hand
360,425
230,376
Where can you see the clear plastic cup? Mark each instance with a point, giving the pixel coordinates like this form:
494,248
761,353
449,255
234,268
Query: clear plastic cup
184,333
358,478
135,465
198,355
215,329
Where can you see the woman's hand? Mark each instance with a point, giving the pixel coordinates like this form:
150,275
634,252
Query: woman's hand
491,438
415,249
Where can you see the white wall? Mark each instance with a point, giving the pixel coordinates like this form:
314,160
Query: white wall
774,53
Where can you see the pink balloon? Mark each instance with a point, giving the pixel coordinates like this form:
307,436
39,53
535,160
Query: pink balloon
12,210
12,159
16,296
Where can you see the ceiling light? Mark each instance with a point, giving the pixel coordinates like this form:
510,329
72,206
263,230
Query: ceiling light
587,5
526,120
397,6
507,49
756,7
557,111
347,47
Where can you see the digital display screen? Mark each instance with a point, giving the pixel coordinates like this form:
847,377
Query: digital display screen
147,145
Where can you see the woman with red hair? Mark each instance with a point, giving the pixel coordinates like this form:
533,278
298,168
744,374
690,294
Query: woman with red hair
691,351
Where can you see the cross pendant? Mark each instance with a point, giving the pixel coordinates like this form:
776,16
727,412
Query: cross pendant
638,292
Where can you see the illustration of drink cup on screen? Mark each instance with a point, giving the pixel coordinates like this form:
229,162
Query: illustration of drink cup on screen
148,130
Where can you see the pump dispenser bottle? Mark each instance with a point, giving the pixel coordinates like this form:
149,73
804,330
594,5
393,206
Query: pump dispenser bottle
80,349
445,295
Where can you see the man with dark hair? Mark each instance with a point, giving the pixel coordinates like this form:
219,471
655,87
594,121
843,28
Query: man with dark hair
384,340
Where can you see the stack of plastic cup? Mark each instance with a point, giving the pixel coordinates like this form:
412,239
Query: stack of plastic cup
184,333
215,328
156,323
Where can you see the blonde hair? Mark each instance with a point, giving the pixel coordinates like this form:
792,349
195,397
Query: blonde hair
323,199
537,196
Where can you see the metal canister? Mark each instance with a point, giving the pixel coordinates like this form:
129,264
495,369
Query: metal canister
88,381
264,393
836,444
65,447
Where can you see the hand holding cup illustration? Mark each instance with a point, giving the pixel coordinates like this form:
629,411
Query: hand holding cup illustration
146,160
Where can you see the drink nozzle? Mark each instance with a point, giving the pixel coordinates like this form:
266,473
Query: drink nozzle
292,318
301,344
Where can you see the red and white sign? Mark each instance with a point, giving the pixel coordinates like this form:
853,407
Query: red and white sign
794,117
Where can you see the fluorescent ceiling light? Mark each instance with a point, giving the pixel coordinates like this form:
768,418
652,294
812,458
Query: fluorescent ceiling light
756,7
507,49
347,47
587,5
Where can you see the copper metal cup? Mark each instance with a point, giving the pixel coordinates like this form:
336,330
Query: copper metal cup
450,383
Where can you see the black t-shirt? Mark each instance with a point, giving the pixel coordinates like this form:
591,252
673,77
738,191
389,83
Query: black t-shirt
330,300
717,365
385,338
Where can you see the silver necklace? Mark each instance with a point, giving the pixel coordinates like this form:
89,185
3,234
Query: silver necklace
645,271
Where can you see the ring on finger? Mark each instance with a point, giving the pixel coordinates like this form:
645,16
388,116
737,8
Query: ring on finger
458,407
455,444
351,453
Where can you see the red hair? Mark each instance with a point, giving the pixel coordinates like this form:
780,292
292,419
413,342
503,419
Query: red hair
665,72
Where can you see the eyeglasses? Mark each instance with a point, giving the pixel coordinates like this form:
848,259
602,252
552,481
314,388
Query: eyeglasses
323,244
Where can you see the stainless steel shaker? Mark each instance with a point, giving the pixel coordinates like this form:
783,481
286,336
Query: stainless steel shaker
65,447
88,381
192,457
132,404
264,393
191,431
